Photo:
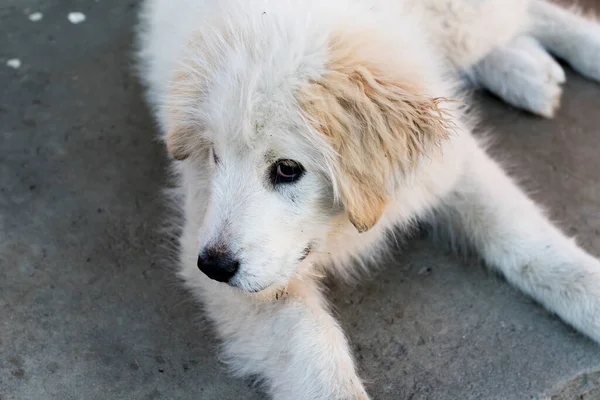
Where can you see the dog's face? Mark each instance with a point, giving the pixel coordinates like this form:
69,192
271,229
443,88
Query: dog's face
297,144
269,206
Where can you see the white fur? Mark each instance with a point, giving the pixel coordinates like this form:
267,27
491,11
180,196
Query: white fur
567,35
530,79
522,74
246,108
491,41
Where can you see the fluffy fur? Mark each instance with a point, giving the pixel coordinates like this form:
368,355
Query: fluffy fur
361,94
522,71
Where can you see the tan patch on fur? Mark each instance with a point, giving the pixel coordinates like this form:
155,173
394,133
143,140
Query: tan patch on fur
186,89
181,139
181,142
298,286
293,288
377,119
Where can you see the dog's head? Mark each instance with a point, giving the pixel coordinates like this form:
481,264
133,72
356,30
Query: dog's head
304,136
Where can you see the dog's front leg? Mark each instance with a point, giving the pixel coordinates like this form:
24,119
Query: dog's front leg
290,340
489,212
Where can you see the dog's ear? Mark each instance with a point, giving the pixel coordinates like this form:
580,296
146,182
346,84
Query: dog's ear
179,142
378,121
187,90
363,199
184,132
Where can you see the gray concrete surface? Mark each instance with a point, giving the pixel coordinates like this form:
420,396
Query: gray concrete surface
89,311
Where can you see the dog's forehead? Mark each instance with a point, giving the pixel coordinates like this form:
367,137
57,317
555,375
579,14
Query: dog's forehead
264,144
259,99
267,119
270,138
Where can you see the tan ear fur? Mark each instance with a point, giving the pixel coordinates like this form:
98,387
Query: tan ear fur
187,88
376,119
180,142
184,133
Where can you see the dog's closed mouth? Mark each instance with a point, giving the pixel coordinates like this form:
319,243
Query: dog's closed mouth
305,253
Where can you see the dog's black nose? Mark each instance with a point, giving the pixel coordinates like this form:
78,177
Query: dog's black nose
218,265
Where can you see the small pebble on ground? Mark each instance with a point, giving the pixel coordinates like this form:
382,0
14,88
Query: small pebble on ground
36,16
76,17
13,63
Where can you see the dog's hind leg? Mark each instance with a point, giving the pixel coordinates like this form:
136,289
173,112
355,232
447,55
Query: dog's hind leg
489,213
568,35
523,74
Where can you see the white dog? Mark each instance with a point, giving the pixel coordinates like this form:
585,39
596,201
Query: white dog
306,130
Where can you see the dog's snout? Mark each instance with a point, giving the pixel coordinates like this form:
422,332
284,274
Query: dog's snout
218,265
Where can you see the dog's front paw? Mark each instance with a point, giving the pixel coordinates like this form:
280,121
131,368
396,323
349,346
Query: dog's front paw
572,290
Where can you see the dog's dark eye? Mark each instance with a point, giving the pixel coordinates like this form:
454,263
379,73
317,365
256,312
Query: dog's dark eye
286,171
215,157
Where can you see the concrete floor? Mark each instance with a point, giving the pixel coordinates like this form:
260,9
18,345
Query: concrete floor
88,309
